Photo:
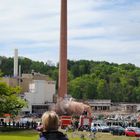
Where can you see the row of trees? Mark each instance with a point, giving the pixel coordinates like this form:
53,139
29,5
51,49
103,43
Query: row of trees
102,80
88,79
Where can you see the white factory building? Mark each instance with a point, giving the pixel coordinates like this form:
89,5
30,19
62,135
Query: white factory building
39,97
36,88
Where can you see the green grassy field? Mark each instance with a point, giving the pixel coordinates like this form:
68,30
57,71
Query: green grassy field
33,135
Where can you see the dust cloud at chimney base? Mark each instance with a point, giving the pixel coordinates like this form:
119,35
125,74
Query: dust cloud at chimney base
69,107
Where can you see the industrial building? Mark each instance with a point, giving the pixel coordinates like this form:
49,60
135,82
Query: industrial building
36,88
39,97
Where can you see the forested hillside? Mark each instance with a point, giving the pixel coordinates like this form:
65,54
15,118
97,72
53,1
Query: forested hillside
88,79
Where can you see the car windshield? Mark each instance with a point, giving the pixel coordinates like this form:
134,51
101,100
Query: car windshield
103,124
137,130
96,124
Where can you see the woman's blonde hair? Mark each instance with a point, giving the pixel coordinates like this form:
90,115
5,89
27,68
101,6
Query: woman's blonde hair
50,121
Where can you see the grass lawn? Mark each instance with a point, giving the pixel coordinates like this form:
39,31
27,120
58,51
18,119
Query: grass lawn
33,135
19,135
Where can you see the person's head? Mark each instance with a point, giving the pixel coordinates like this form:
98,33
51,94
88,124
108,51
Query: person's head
50,121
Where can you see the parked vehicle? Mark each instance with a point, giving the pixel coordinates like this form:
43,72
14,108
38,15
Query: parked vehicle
65,121
100,126
84,123
93,129
117,130
132,131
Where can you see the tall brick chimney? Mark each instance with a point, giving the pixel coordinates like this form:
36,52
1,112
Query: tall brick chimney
62,83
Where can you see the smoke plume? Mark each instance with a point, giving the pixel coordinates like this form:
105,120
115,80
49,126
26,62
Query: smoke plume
69,107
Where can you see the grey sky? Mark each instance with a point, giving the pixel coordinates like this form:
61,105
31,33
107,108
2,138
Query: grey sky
100,30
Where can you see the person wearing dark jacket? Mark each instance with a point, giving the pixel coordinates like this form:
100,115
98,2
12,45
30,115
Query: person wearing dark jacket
50,125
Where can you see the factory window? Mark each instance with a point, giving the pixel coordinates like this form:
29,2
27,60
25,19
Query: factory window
39,109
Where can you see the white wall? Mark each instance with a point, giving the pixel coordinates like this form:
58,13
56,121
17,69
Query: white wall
40,91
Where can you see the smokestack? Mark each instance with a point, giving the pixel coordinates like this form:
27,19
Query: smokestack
15,62
19,71
19,75
62,83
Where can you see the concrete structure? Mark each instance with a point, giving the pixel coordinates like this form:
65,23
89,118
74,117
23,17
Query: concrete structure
106,106
100,105
126,107
62,84
15,62
13,81
37,89
24,80
40,96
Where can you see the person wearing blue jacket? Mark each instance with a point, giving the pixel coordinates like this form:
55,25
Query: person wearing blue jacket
50,125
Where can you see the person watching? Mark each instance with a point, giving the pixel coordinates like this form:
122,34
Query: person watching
50,125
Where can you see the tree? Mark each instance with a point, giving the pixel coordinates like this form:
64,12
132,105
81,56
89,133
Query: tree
10,101
101,89
83,87
6,65
137,94
104,81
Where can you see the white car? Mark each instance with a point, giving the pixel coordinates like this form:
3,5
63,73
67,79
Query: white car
101,127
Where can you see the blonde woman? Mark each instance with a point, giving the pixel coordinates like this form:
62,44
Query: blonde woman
50,125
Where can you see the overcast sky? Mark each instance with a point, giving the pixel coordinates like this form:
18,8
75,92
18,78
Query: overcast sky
100,30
